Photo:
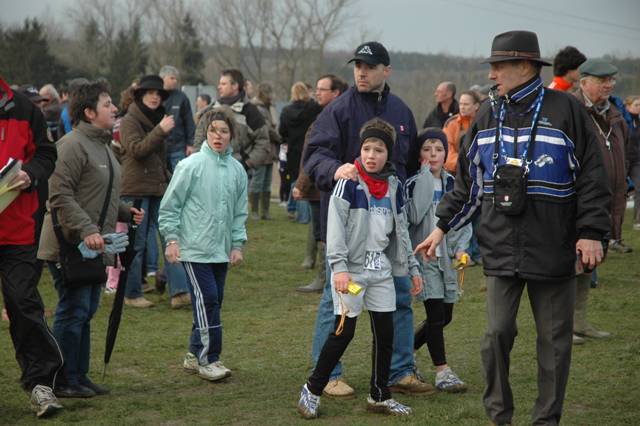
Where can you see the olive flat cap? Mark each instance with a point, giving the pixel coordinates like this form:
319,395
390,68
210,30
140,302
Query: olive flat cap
597,68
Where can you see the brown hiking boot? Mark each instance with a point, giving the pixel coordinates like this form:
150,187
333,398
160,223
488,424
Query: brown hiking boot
180,300
410,385
338,389
138,302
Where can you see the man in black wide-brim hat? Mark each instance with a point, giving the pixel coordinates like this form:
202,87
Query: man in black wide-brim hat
542,202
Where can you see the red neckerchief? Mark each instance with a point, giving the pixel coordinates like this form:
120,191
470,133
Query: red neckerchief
560,84
377,187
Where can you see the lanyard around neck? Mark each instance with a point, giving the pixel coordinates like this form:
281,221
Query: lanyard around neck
536,105
606,137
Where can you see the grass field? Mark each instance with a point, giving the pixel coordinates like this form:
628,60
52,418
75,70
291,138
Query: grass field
267,340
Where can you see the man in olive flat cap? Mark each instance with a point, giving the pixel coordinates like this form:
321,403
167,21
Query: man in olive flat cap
543,200
597,80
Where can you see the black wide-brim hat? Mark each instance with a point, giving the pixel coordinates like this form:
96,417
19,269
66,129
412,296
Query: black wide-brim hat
151,82
515,46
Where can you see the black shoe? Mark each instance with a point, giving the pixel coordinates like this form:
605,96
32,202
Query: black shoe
97,389
73,391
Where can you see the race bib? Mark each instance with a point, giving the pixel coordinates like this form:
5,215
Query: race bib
373,261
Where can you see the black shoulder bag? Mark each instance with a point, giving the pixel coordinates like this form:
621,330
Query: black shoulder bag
76,270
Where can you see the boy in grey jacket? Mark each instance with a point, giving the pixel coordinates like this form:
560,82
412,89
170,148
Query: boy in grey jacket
367,243
440,291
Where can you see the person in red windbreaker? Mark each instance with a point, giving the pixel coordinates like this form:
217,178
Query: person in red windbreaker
23,136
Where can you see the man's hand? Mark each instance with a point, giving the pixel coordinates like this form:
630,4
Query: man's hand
341,281
296,194
94,242
346,171
188,150
172,252
235,257
167,123
23,177
138,215
428,247
416,285
589,252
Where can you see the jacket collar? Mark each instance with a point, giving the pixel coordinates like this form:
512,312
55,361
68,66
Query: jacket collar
524,90
137,113
374,96
220,156
94,133
561,84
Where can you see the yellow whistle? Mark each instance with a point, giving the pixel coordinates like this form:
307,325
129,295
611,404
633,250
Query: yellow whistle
354,288
462,263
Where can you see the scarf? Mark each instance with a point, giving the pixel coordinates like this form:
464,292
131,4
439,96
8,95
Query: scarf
230,100
154,115
377,183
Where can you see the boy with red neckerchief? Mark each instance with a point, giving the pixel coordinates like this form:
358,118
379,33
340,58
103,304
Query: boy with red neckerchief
367,243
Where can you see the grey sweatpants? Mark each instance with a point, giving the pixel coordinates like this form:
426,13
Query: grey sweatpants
552,304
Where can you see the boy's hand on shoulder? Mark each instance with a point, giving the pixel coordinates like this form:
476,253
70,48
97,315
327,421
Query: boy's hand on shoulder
416,285
341,281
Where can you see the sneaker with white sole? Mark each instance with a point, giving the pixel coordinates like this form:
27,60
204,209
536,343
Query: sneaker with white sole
308,404
220,365
389,406
448,381
190,363
211,372
44,402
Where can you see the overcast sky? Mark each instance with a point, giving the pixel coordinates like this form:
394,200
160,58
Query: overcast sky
459,27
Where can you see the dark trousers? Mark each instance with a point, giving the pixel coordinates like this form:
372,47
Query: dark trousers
37,351
382,349
72,326
206,283
431,331
552,304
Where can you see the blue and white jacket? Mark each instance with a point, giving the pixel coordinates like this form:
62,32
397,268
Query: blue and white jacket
568,197
348,228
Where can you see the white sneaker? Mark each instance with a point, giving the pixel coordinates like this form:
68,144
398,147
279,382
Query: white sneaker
389,406
211,372
190,363
43,401
220,365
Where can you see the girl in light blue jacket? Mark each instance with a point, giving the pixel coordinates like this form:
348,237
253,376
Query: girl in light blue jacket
202,218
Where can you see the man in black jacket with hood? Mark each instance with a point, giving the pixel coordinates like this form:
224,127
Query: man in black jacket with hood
543,203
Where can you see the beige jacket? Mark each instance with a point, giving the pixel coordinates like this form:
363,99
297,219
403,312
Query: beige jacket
78,188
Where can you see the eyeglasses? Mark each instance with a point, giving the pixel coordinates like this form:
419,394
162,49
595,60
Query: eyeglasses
322,89
604,80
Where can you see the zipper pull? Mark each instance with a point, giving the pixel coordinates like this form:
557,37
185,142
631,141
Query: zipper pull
2,135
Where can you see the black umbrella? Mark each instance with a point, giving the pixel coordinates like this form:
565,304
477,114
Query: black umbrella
116,310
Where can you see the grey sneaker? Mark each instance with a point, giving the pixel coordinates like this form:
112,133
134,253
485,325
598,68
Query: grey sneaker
44,402
448,381
211,372
389,406
308,404
190,363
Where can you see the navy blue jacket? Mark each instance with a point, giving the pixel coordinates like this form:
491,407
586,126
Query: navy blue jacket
334,137
177,104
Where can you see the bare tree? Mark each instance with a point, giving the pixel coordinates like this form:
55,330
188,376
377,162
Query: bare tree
281,41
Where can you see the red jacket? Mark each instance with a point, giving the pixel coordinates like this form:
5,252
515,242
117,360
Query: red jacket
23,136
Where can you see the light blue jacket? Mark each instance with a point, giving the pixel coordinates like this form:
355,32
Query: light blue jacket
205,206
